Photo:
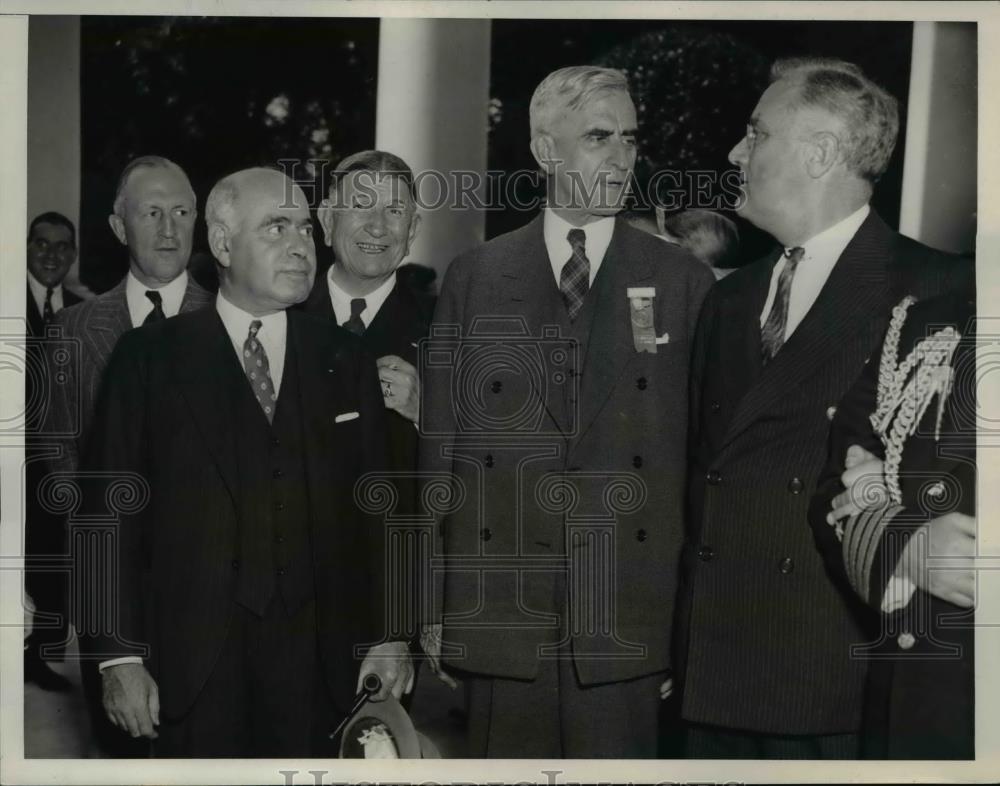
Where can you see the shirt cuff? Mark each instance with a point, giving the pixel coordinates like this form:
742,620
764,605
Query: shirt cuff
104,664
898,593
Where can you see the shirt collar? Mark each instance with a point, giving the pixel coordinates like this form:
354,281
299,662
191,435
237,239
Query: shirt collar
38,288
237,321
341,300
171,294
832,241
556,228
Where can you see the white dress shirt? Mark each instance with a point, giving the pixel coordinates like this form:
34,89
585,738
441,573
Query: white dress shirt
342,301
556,230
272,335
38,293
821,254
140,306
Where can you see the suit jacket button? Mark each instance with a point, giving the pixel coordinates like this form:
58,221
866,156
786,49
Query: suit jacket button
795,486
277,473
705,553
906,640
487,533
786,565
640,535
275,442
497,386
488,460
715,406
236,564
641,383
637,461
714,477
830,412
281,571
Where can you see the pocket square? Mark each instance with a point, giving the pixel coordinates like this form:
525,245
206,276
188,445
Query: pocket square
664,339
345,416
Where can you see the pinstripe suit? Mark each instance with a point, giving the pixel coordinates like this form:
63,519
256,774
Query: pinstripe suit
96,325
764,635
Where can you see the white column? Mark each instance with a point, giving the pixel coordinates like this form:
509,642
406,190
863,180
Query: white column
939,166
431,110
54,119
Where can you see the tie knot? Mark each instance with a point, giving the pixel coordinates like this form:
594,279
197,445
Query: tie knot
254,327
154,297
49,291
794,256
357,306
577,239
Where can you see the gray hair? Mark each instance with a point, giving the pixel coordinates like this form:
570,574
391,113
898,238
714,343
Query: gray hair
570,88
869,114
219,207
377,161
143,162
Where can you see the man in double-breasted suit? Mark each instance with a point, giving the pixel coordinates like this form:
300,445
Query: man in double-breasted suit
51,251
251,579
768,670
556,401
903,443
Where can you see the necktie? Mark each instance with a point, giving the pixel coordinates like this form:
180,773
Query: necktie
772,335
354,323
574,281
47,310
259,371
157,313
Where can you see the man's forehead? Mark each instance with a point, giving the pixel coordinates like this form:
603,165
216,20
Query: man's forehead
277,197
45,228
608,106
387,184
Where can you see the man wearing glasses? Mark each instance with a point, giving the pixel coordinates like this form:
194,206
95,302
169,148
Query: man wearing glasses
768,671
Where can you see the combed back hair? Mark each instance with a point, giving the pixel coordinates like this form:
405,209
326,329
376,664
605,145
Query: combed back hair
219,207
709,232
142,162
870,115
570,88
52,217
377,161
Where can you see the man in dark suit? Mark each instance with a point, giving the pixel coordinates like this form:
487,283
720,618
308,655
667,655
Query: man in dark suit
768,671
251,578
370,221
556,403
899,488
51,253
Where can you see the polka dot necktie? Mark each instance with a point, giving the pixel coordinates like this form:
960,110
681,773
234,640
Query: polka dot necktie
354,323
259,371
574,280
772,334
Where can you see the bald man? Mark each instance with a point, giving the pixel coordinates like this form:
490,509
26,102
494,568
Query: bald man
250,579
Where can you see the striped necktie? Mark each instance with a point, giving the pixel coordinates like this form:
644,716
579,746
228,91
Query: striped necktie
772,334
574,280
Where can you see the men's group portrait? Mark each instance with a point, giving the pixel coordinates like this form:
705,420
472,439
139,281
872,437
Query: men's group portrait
623,480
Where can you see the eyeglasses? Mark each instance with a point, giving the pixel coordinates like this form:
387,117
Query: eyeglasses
42,246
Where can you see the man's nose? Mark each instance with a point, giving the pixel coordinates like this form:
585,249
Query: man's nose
738,155
301,246
168,225
376,224
623,156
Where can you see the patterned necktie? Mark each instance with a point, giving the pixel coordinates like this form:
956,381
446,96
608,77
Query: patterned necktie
47,311
259,371
772,335
574,281
354,323
157,313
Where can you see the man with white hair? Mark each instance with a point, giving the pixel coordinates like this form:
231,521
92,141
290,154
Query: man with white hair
250,579
562,418
769,670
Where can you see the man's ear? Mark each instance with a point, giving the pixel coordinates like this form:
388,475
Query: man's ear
824,152
218,243
543,148
326,220
118,227
414,225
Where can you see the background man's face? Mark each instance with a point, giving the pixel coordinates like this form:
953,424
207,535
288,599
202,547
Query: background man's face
597,149
272,257
774,175
373,222
51,252
159,213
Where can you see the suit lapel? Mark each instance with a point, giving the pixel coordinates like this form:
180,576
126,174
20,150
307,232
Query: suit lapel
398,313
109,319
318,303
740,323
610,346
206,368
857,291
36,324
194,297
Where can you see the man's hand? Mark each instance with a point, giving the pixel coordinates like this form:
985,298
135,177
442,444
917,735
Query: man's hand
952,535
430,643
864,482
131,699
392,663
400,386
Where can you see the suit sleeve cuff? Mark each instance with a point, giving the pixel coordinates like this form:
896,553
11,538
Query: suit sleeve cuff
898,593
105,664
